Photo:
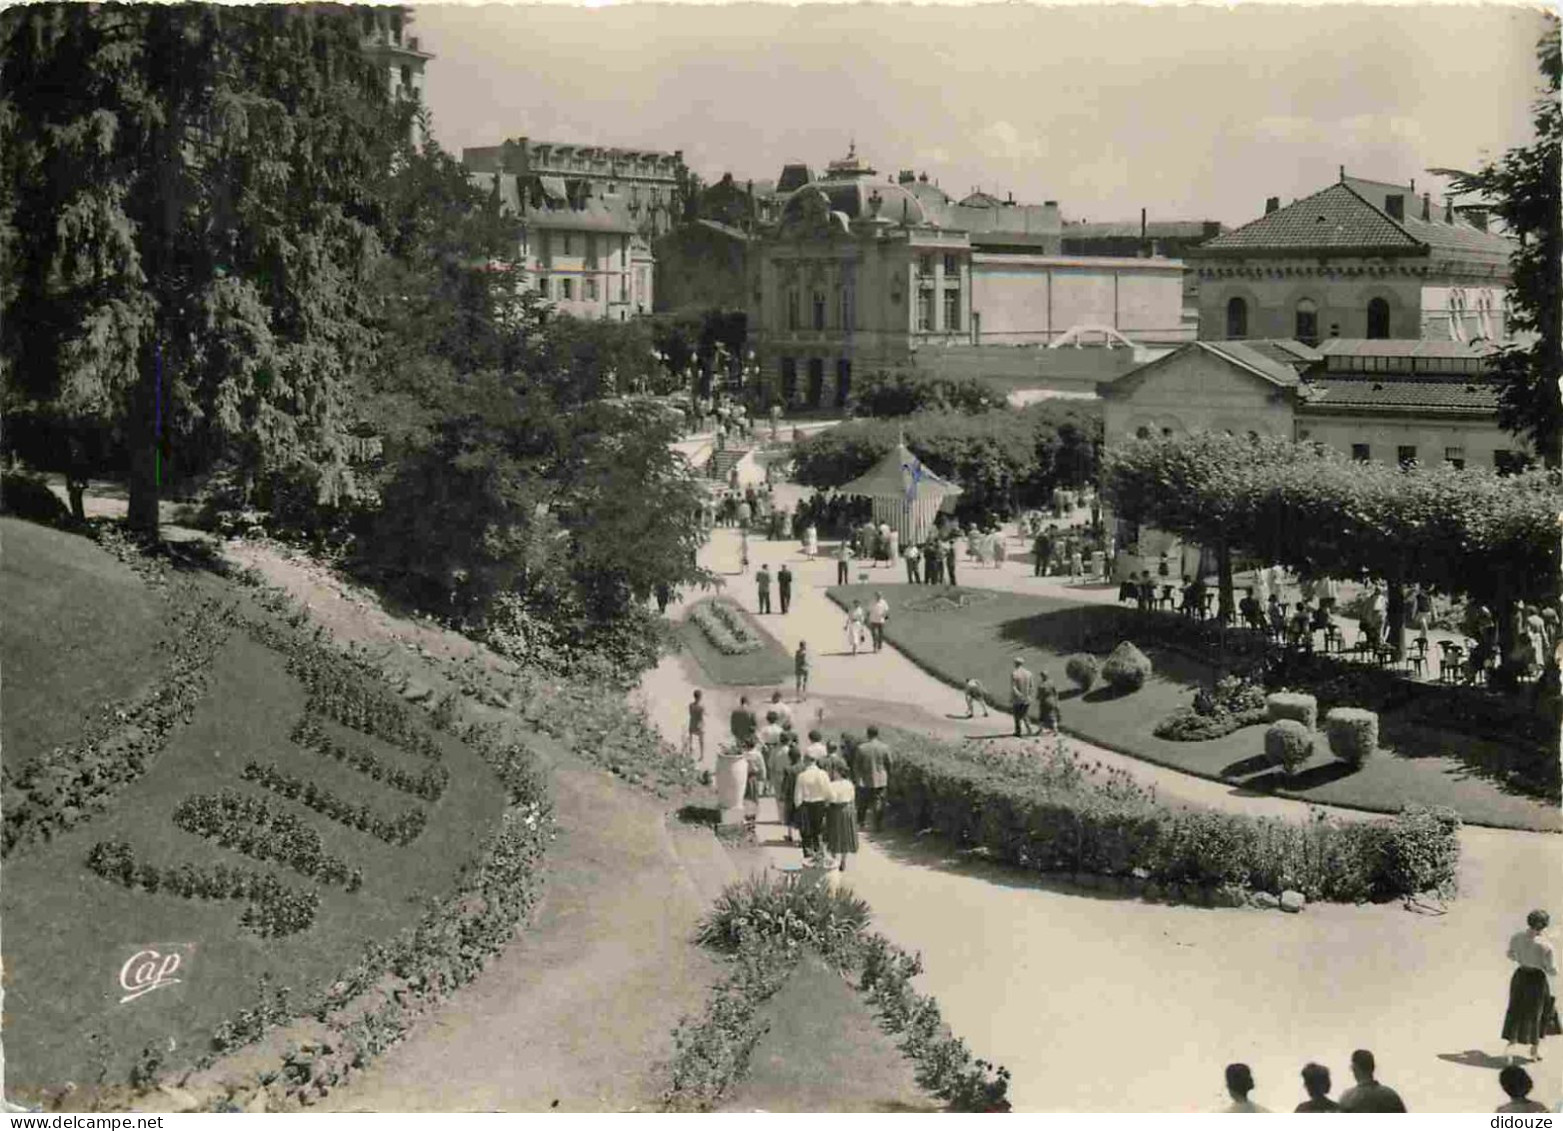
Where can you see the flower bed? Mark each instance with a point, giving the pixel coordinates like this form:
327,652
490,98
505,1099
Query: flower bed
763,925
1079,823
402,829
251,826
1232,704
274,908
429,785
724,627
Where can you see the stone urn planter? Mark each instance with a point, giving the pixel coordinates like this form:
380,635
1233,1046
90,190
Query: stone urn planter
732,774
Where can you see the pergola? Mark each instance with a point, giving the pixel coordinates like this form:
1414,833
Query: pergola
905,493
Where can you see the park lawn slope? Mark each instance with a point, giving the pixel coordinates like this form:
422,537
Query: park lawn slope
73,931
77,628
770,665
982,634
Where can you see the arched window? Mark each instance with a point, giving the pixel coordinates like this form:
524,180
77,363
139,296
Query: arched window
1378,319
1237,318
1307,327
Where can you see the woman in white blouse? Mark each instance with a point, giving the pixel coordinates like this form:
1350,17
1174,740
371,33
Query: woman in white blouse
1532,1012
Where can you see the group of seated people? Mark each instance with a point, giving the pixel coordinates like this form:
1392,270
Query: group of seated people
1141,589
1296,629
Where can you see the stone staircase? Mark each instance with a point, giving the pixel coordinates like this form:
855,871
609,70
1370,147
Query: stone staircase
722,463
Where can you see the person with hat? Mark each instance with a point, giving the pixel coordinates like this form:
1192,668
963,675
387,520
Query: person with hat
811,797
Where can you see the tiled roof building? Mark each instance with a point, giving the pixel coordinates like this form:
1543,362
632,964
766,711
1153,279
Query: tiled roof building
1358,259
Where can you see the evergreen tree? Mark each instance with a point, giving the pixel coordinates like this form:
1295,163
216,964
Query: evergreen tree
191,213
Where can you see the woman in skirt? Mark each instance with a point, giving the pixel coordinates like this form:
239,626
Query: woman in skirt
1532,1012
754,784
841,822
785,810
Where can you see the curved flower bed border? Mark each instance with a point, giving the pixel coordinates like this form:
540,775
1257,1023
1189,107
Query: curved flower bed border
724,627
763,924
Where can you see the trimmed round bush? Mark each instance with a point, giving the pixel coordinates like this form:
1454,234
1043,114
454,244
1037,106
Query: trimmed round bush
1127,668
1082,671
1353,733
1288,743
1298,705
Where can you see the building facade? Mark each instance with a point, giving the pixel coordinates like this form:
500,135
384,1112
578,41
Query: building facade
584,255
861,274
1357,260
387,43
651,183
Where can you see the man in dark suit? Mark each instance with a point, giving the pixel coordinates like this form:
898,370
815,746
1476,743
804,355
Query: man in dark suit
784,587
871,766
763,580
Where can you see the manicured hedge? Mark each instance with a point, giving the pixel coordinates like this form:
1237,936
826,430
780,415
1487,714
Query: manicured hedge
1126,669
1353,733
1082,670
1298,705
1288,743
1056,814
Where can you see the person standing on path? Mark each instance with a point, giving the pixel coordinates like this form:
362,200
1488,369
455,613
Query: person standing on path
779,705
696,734
1042,553
871,766
1047,703
933,562
810,797
1000,549
745,514
786,811
894,541
784,587
949,561
810,541
800,668
841,821
762,581
843,557
1369,1095
743,552
743,723
878,614
664,595
1022,686
914,557
1532,1012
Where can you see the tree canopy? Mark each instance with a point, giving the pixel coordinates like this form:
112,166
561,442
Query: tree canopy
900,392
1523,187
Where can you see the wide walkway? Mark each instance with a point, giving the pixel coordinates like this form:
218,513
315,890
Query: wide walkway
1110,1004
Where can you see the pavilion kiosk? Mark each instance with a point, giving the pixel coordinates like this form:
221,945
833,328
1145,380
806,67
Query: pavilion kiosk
906,494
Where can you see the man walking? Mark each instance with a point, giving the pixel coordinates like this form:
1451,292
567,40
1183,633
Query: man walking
763,581
913,557
783,588
843,556
871,766
878,614
800,668
811,796
744,724
1041,553
1369,1095
1022,686
696,734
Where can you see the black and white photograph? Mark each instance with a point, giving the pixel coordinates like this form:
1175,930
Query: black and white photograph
848,558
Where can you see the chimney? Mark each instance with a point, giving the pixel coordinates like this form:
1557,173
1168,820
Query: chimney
1395,205
1448,211
1413,186
1142,225
1427,206
1272,204
1343,174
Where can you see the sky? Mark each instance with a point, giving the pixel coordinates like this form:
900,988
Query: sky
1188,112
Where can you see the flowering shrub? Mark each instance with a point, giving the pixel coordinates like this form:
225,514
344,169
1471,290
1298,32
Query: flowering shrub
1353,733
275,908
1082,670
1088,823
1288,744
399,830
1232,704
251,826
1295,705
429,785
1126,669
724,627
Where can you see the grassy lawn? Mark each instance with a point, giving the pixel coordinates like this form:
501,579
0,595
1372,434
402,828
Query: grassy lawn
982,634
770,665
77,628
69,932
825,1051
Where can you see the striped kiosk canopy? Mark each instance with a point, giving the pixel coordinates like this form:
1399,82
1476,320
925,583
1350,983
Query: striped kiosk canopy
906,493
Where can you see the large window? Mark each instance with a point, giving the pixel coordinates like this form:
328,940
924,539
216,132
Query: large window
591,288
925,266
952,311
591,250
1237,318
952,269
816,381
569,243
1455,457
843,381
846,308
789,368
819,310
1405,455
925,311
792,310
1361,452
1307,326
566,289
1378,319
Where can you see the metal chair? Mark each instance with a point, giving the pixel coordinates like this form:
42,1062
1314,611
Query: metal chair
1449,660
1416,659
1165,601
1333,640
